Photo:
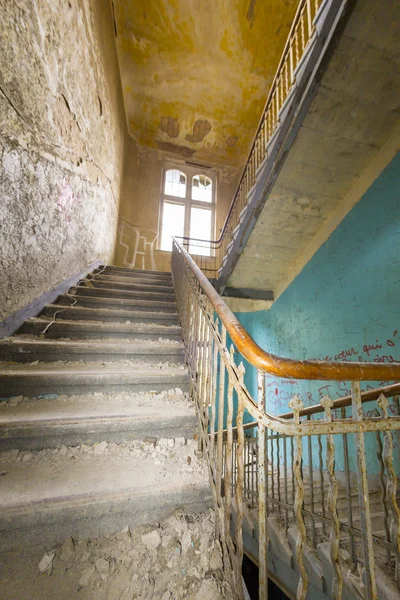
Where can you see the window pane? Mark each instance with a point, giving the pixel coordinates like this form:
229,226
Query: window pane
172,223
202,188
200,227
175,183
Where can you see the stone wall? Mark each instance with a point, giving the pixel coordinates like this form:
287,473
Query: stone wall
62,138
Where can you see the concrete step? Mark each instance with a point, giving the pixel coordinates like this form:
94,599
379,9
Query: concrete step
115,293
82,313
72,420
51,496
136,280
82,378
143,274
133,287
114,303
86,329
25,350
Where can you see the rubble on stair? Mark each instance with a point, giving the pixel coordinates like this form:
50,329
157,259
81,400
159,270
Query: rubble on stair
175,559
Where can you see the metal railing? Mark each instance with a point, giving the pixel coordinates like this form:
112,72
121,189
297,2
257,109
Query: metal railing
300,35
287,470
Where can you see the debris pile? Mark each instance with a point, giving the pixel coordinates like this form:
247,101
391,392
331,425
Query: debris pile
173,560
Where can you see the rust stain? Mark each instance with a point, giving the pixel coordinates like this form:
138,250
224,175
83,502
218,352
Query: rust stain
200,129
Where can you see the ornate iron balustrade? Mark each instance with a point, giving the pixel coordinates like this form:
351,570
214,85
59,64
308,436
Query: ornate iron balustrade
300,35
251,474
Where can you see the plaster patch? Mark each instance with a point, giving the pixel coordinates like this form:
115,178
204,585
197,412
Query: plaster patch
201,128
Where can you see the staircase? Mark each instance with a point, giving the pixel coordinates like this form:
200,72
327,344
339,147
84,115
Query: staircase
96,426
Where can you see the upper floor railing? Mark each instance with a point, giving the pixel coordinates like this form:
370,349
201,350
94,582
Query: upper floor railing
212,253
250,470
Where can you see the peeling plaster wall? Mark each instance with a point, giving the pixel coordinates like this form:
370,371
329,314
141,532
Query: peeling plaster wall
62,136
344,305
196,75
140,206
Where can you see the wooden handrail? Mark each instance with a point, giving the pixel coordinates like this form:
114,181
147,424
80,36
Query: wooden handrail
286,367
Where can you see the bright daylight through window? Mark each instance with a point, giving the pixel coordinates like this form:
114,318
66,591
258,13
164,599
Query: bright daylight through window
187,209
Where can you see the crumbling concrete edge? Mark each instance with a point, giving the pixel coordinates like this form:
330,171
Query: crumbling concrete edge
14,321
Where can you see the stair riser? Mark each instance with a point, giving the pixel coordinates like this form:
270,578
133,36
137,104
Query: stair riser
39,437
52,523
120,294
58,331
112,303
78,383
86,315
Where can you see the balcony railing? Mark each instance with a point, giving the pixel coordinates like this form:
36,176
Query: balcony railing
300,36
296,467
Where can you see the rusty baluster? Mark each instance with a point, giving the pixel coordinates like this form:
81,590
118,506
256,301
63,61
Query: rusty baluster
291,62
382,481
396,406
302,29
352,550
239,481
321,483
337,583
311,483
285,481
262,480
229,445
363,498
296,405
214,397
272,471
391,489
292,462
309,18
221,404
278,470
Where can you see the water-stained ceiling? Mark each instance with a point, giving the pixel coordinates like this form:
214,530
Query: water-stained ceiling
196,73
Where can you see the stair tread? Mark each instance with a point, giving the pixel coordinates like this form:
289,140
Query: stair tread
85,368
119,301
129,328
54,478
62,408
112,312
119,346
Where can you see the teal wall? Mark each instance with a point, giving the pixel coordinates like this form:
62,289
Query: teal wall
345,303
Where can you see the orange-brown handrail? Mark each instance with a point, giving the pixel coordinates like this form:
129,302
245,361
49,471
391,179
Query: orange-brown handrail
286,367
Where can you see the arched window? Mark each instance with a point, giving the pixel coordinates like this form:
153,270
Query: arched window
202,188
187,208
175,183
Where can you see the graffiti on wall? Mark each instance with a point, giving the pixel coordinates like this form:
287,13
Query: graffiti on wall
138,246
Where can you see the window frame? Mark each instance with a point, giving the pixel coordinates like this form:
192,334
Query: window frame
187,201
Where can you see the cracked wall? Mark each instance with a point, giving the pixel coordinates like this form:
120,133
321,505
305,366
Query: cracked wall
62,135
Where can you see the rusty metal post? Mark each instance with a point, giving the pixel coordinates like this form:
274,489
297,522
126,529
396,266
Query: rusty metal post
262,474
363,498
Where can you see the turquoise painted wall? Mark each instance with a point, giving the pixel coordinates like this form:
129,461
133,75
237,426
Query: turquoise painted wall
345,303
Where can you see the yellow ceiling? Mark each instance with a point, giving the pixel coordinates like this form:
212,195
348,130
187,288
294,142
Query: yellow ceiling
196,73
